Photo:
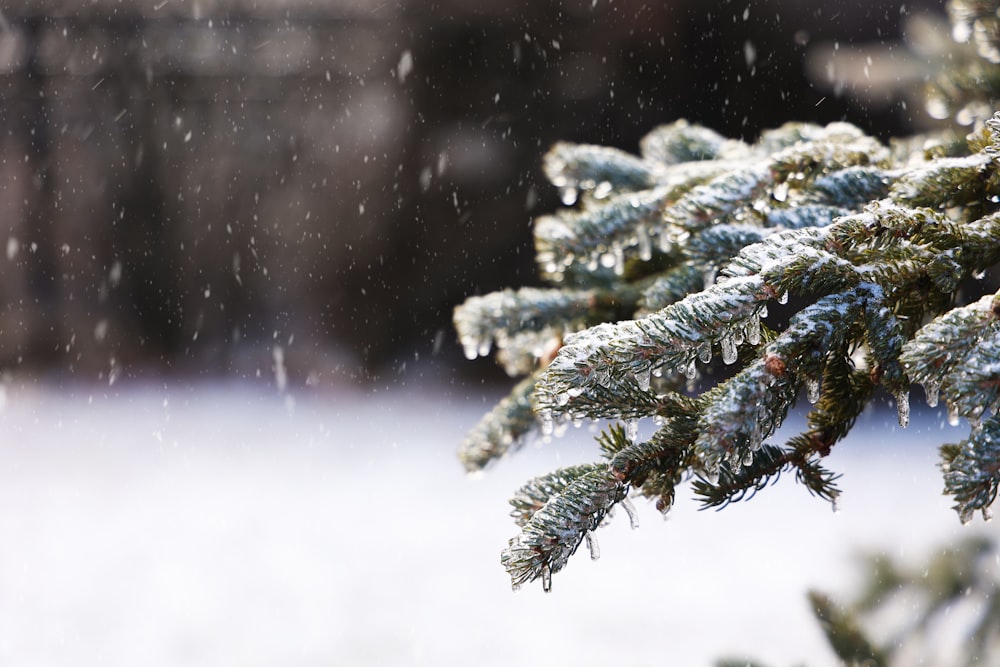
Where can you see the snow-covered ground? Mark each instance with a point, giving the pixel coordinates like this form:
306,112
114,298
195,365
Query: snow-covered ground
225,524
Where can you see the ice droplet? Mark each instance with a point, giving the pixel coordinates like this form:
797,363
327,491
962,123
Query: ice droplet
965,516
546,579
762,313
484,347
705,352
548,425
783,298
632,429
562,399
592,547
633,518
645,244
728,346
812,390
642,379
903,407
568,196
748,459
952,416
471,348
931,392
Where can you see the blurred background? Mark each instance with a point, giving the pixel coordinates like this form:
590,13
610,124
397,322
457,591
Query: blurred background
212,187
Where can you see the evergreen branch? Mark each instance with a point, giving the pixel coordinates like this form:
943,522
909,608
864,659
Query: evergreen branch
670,287
939,347
499,316
601,235
846,639
806,215
615,356
534,494
555,530
972,470
853,186
502,429
737,483
576,167
680,142
746,409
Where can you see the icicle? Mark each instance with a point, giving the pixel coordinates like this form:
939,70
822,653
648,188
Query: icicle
548,425
645,244
484,347
783,298
546,579
705,352
629,508
619,253
643,378
471,347
592,547
708,273
728,346
952,415
752,330
812,390
632,429
903,407
965,515
835,504
568,196
931,392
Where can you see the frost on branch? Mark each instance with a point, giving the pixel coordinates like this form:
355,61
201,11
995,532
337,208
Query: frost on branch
663,272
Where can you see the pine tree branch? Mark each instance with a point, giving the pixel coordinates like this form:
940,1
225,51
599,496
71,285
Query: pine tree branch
502,429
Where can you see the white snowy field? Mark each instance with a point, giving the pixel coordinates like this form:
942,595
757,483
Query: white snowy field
225,524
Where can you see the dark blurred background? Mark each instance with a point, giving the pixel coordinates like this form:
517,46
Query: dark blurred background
227,186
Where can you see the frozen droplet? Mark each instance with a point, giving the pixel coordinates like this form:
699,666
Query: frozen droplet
952,415
546,579
835,504
903,407
548,425
471,348
645,244
965,515
642,379
562,399
752,330
762,313
632,429
728,346
705,352
568,196
812,390
931,392
748,459
783,298
592,546
712,476
484,347
633,517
